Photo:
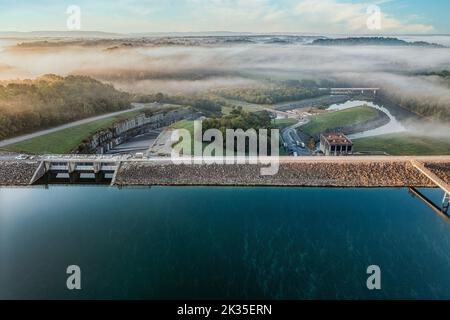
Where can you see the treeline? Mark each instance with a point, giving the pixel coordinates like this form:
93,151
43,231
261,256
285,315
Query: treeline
210,106
239,119
442,74
287,91
51,100
438,110
427,108
373,41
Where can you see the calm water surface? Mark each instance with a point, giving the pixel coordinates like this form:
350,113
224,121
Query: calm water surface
236,243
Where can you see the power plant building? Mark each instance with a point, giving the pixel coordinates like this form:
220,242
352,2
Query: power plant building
335,144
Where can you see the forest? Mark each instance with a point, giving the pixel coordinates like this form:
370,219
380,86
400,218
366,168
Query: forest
373,41
442,74
280,92
51,100
239,119
210,106
429,109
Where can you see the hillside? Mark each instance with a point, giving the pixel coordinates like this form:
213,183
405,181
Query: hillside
373,41
51,100
339,119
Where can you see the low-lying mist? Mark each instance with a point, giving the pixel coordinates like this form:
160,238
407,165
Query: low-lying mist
187,70
361,65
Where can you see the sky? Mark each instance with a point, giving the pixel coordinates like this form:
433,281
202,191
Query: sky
259,16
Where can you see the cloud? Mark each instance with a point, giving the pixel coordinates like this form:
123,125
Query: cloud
329,16
352,17
319,16
236,15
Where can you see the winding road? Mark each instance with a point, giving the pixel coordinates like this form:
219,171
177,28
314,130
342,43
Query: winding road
293,140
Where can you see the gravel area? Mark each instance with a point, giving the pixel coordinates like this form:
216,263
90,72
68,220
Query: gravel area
331,174
17,173
441,169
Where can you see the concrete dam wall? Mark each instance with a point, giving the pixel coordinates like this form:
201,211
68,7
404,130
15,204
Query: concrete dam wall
107,139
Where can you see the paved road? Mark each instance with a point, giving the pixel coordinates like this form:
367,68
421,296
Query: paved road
140,143
293,140
162,145
6,142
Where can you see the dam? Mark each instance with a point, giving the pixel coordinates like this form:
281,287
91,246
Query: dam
350,171
345,171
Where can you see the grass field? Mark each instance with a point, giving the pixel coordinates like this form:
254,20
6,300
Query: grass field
404,144
189,126
283,123
248,107
66,140
338,119
184,124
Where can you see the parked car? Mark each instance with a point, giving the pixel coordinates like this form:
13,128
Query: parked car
22,157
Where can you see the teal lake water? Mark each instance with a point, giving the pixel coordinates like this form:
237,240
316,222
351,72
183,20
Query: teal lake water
225,243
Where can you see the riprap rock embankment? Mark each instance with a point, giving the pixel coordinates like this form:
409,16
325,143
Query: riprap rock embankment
17,173
316,172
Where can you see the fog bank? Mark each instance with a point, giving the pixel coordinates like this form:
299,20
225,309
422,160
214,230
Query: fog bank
195,69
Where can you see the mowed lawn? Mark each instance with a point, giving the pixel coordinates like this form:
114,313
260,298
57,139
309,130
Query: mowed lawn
66,140
337,119
184,124
189,126
283,123
404,144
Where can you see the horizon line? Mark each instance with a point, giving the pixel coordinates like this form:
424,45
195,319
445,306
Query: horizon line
304,33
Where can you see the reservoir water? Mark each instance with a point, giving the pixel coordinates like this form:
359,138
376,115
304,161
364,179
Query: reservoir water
230,243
